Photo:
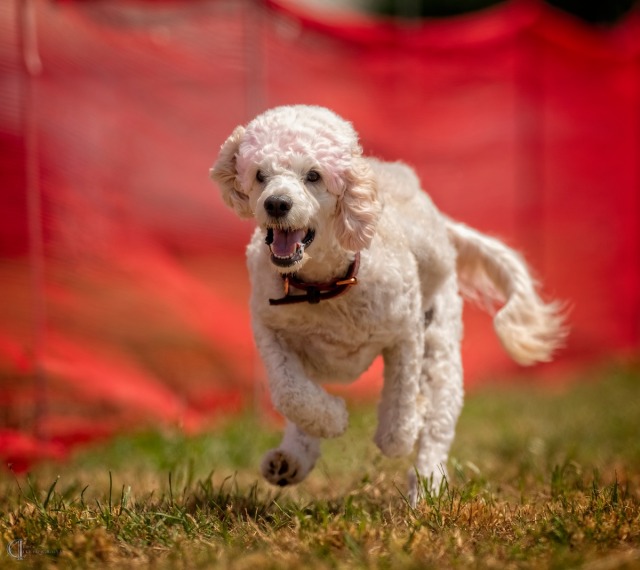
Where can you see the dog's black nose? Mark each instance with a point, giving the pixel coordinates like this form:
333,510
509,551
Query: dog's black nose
278,206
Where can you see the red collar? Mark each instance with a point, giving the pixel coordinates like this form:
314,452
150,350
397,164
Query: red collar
316,292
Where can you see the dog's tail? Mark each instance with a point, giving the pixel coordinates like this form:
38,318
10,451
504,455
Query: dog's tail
530,329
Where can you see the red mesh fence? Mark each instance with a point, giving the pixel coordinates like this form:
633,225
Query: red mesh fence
122,281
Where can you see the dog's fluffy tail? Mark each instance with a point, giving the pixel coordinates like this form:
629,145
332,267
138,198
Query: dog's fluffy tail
530,329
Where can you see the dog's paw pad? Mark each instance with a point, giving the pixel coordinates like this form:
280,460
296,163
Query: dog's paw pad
280,468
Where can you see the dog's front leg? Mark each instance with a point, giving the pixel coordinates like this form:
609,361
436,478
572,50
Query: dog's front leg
293,393
398,420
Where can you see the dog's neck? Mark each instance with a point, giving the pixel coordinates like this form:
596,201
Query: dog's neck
314,291
325,265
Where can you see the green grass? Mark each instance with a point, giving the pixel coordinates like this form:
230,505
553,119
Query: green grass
539,478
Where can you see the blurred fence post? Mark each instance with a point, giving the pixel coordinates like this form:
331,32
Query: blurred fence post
255,73
30,59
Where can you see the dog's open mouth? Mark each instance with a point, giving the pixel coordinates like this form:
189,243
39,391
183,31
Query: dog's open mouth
287,246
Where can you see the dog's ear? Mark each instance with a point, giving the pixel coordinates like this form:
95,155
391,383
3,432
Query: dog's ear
224,172
358,209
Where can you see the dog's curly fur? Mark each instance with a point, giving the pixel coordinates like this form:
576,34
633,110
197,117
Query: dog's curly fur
299,172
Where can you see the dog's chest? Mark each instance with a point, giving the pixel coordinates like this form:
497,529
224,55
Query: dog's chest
336,340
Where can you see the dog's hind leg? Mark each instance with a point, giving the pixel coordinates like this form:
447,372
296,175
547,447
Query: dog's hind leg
292,461
441,390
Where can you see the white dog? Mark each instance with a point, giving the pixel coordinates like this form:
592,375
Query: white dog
351,260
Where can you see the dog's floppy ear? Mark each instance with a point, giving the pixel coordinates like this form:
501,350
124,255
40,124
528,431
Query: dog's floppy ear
358,209
225,174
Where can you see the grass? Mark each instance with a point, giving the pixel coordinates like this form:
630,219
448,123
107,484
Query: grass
539,478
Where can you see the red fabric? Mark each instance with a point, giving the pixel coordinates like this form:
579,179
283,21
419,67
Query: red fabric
124,293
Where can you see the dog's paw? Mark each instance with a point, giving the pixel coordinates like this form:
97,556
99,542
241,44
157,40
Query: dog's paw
282,468
422,485
395,442
324,418
333,422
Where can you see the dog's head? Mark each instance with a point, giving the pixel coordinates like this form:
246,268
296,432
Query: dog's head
299,171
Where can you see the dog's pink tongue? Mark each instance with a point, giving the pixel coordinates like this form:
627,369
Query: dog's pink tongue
284,243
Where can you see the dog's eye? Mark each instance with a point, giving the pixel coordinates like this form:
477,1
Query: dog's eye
313,176
260,176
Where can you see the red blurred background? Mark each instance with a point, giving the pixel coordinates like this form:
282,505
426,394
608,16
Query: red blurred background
122,281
